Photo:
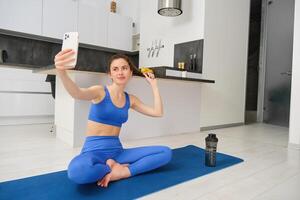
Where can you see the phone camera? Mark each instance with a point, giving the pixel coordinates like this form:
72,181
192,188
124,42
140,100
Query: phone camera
66,36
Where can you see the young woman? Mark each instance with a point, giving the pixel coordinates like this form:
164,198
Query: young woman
102,158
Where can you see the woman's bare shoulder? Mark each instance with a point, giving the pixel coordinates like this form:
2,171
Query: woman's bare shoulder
100,93
133,99
97,87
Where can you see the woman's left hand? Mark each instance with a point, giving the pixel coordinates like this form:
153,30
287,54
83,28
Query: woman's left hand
150,78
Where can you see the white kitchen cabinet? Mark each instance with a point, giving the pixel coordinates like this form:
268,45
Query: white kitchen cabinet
22,80
52,18
23,93
21,16
59,16
119,32
26,104
92,21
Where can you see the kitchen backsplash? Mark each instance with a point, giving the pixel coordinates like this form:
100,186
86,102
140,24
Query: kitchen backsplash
189,53
39,53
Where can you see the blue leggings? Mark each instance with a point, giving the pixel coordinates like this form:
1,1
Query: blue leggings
90,165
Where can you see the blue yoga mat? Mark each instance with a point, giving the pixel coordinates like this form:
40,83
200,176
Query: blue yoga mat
187,163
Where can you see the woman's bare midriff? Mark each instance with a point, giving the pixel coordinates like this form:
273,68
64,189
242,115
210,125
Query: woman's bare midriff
99,129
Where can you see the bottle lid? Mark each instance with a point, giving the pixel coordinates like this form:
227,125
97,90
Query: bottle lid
212,136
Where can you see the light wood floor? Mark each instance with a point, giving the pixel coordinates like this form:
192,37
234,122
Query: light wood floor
270,171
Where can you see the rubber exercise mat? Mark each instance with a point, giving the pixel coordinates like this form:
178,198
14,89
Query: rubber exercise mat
187,163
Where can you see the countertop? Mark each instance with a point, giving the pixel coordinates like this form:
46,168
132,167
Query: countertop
51,70
18,66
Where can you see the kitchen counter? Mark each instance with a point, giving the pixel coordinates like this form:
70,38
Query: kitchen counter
71,114
50,69
18,66
157,71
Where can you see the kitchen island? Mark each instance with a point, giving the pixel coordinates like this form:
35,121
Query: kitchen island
71,115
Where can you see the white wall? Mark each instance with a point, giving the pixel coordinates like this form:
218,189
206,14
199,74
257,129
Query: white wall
225,61
294,129
186,27
224,27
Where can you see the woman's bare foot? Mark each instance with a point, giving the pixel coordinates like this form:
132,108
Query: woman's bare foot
125,165
118,171
110,163
104,181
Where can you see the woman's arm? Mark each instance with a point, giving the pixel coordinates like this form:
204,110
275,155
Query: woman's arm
61,60
138,105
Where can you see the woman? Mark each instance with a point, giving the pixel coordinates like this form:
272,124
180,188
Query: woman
102,158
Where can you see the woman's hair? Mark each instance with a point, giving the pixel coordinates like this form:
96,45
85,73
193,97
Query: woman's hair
118,56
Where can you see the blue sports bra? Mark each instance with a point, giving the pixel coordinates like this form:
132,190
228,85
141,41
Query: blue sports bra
107,113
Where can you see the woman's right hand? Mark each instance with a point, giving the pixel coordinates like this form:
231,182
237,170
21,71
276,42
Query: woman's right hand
63,59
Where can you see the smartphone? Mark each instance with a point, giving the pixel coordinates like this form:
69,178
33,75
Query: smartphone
70,41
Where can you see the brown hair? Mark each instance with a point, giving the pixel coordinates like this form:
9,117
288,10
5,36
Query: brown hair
118,56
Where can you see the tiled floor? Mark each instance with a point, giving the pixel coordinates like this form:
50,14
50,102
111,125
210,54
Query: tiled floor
270,171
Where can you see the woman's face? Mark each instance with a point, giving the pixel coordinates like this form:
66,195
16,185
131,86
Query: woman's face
120,71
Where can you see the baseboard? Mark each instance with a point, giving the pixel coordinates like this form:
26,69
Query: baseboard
207,128
22,120
294,146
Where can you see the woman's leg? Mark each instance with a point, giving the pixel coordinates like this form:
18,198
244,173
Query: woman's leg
143,159
88,167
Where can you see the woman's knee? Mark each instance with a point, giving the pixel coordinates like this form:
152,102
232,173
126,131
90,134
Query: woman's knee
83,171
167,154
76,172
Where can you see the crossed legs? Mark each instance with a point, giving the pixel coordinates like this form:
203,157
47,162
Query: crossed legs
93,166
